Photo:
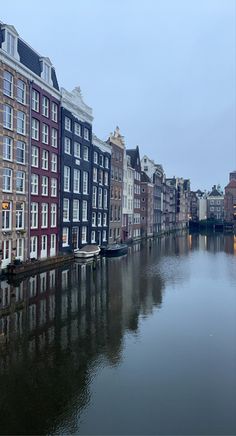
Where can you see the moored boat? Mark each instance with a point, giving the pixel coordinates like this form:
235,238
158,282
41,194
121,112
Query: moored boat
87,251
113,250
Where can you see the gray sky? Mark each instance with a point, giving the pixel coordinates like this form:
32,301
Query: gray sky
164,71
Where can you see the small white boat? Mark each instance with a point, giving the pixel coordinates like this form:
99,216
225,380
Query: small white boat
87,251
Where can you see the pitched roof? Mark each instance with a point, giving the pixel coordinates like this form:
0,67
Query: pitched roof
30,58
145,178
134,155
215,192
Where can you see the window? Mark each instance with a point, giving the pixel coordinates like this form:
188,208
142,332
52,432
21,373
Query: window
45,108
100,198
104,235
54,112
104,219
86,134
20,182
94,200
99,219
93,236
95,157
53,187
6,215
84,235
20,152
53,215
21,122
106,162
44,216
77,129
11,44
35,129
53,162
65,237
100,178
66,205
8,84
86,153
45,155
94,219
46,72
35,156
105,199
66,179
54,137
68,124
44,185
21,91
95,174
35,100
45,131
84,210
7,148
106,178
34,184
67,145
34,215
7,180
75,210
76,187
101,160
7,116
85,182
20,215
77,150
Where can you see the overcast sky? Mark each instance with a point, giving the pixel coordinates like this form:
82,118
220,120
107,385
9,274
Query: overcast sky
164,71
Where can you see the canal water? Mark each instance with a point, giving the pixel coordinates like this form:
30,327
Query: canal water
143,345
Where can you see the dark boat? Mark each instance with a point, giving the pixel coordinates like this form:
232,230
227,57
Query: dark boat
113,250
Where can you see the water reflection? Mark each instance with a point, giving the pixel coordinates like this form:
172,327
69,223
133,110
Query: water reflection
57,328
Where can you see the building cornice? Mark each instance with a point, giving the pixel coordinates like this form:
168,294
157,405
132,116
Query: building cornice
73,102
104,146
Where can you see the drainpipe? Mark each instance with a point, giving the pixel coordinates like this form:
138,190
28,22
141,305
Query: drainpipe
29,164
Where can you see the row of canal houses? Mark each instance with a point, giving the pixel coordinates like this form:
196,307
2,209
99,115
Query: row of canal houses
62,187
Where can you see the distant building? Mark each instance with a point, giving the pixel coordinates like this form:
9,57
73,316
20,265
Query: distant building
215,204
76,170
232,176
101,163
136,165
155,173
128,199
230,201
146,206
116,141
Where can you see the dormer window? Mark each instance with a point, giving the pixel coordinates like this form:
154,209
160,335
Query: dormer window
46,67
10,41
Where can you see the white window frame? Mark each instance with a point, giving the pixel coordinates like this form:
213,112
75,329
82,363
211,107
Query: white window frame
54,163
54,112
76,181
35,129
7,177
8,117
8,80
68,124
7,151
21,91
76,210
66,210
35,100
45,106
20,145
67,178
45,159
53,187
84,210
44,215
7,216
34,184
34,215
54,137
84,234
65,237
86,134
53,221
77,150
21,123
44,186
86,153
85,182
45,133
34,156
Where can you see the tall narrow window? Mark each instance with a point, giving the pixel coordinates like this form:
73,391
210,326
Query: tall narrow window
53,215
44,185
54,137
7,116
21,91
66,178
34,184
45,132
53,187
44,215
8,84
34,215
19,215
35,100
45,108
7,180
75,210
76,188
7,148
94,199
53,162
21,123
85,182
68,124
66,213
45,155
67,145
6,215
35,156
35,129
85,210
20,152
20,182
54,112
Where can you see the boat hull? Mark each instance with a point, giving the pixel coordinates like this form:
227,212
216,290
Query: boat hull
114,251
87,253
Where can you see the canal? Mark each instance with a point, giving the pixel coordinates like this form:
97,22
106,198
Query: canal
145,344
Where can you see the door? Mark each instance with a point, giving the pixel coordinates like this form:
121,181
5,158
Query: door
20,249
6,253
44,240
33,247
53,245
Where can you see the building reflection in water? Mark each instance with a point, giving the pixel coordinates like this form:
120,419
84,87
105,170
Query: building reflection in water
58,326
